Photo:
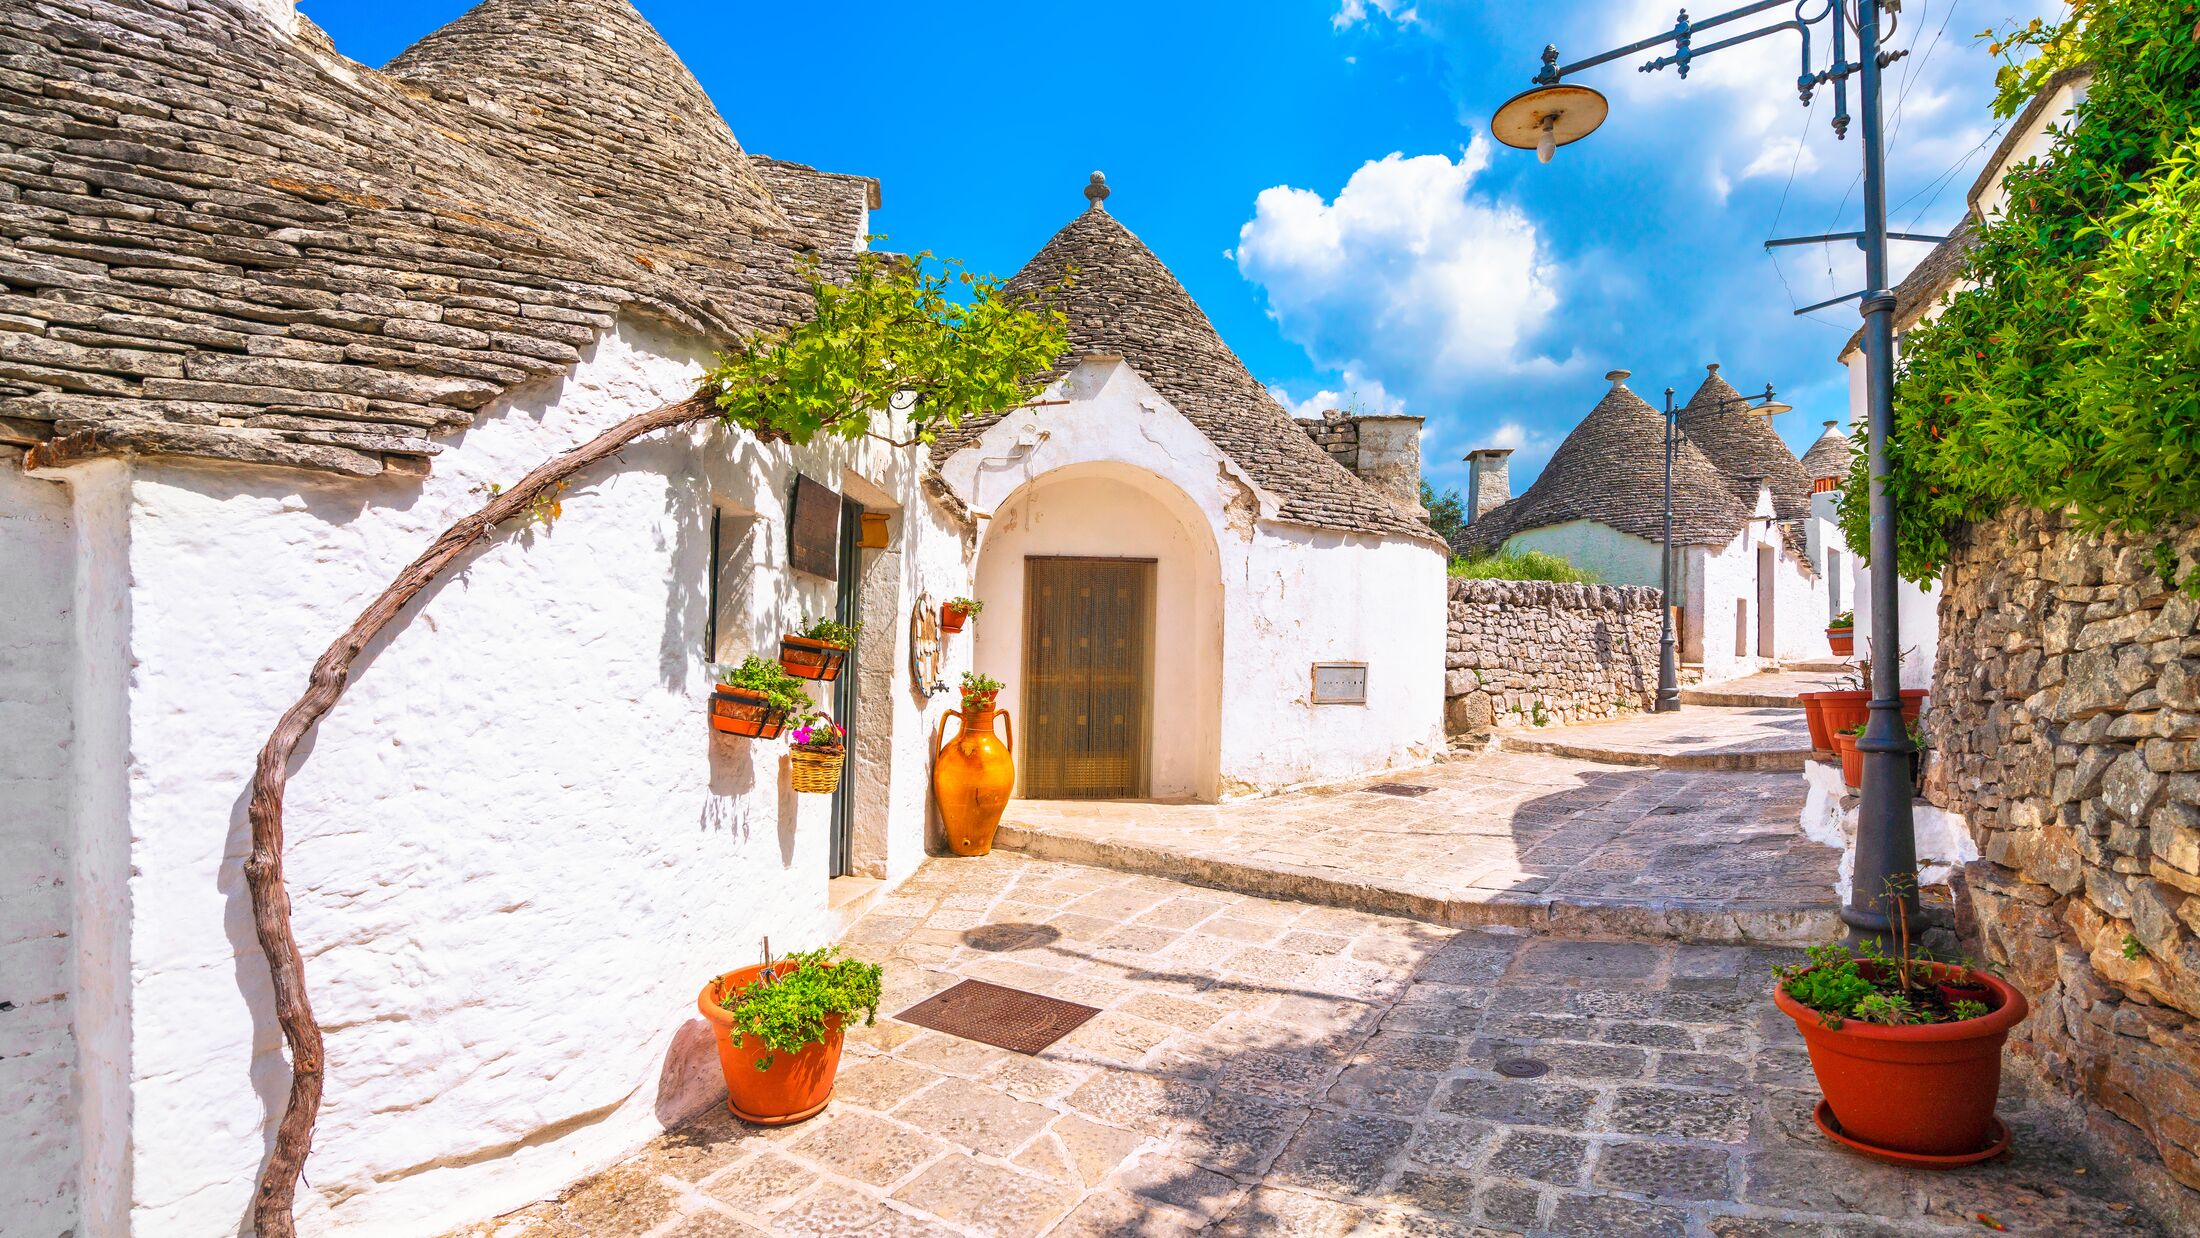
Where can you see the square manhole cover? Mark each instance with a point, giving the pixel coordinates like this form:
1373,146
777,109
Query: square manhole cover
1003,1017
1409,790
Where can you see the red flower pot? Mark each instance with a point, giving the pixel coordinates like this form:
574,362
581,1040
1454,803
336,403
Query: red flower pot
1913,1094
1814,715
738,711
951,619
806,658
1843,708
1842,640
1913,703
1852,761
795,1086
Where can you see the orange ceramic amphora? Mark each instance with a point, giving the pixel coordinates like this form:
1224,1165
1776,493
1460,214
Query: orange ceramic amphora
973,776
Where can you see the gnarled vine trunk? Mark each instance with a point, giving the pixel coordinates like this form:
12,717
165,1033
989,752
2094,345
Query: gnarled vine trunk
272,1207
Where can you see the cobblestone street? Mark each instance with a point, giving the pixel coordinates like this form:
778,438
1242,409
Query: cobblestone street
1265,1067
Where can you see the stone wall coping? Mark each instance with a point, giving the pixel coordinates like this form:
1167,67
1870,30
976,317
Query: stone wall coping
1551,593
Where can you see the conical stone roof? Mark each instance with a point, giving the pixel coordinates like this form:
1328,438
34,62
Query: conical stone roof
1611,471
1743,444
1125,301
589,96
1830,455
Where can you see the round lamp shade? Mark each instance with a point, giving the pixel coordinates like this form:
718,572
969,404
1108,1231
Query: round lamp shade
1774,409
1571,112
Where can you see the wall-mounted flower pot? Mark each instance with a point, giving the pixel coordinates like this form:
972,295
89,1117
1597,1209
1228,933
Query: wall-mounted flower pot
952,618
738,711
972,775
1842,641
1814,716
1852,761
1920,1094
816,773
806,658
793,1087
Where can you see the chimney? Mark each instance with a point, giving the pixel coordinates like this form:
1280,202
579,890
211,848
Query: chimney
1390,457
1489,485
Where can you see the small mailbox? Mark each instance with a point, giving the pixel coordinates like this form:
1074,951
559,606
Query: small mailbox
1340,683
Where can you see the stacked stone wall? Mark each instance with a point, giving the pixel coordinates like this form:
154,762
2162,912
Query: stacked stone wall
2067,726
1524,651
1337,433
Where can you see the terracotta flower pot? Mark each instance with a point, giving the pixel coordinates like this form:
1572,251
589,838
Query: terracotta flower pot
972,776
1969,990
1913,1094
1842,641
951,619
1842,708
1852,761
738,711
1814,716
805,658
795,1086
1913,703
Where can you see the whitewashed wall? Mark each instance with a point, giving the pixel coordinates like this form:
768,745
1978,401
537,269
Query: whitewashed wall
1721,582
1617,558
516,850
38,1176
1290,595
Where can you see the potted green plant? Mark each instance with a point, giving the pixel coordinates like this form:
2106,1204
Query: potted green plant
955,610
756,698
978,691
819,649
1841,634
1910,1070
778,1025
1852,761
816,749
1850,704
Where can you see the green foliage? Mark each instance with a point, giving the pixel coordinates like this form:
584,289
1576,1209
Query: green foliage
2133,947
1539,716
1846,619
1964,1008
2069,377
1520,565
831,631
783,692
968,606
978,690
1447,512
786,1010
1871,986
891,335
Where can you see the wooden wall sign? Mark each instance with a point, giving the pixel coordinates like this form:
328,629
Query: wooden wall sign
813,529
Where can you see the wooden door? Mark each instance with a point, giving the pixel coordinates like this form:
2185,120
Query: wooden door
1088,672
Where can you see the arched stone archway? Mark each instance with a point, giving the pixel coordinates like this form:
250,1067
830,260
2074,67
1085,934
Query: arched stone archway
1113,511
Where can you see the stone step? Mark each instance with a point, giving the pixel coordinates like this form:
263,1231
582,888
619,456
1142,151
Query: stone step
1783,758
1702,921
1765,690
1695,737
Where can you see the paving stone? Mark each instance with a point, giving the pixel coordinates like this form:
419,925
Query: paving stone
1509,1204
706,1223
881,1083
989,1198
1602,1216
763,1183
1664,1170
1384,1089
1094,1151
1539,1155
1139,1102
1703,1070
1440,1191
1519,1102
975,1116
1820,1180
626,1197
867,1149
835,1211
1180,1184
1113,1214
1273,1213
1447,1144
1342,1153
1688,1114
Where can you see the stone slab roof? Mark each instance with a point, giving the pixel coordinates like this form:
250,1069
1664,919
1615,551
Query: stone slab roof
1743,444
1125,301
223,239
831,209
1611,470
1830,455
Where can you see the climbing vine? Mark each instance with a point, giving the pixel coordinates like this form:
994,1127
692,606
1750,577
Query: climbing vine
2068,377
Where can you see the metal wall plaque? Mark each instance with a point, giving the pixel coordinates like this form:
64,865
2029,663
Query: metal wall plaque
813,529
1340,683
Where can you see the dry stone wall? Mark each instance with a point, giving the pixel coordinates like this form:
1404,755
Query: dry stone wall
2067,723
1523,651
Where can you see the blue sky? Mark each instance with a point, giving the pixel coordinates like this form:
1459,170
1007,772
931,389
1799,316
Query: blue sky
1318,173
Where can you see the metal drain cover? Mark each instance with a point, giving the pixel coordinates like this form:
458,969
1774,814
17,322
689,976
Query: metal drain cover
1406,789
1522,1068
1003,1017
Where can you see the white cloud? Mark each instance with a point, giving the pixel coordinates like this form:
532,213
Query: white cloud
1360,394
1779,155
1511,435
1351,13
1407,273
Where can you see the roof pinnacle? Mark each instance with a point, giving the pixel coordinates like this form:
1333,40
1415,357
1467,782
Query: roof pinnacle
1616,377
1096,191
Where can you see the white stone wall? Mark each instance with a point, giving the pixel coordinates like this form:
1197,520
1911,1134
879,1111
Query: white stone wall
1721,584
1615,558
38,1176
1290,595
516,850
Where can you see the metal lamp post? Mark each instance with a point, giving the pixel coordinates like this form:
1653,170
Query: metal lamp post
1669,669
1554,113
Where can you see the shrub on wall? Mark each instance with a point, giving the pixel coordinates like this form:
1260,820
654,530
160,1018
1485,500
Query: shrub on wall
1521,565
2069,377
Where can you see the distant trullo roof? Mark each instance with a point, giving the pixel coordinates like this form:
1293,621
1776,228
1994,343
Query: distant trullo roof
1830,455
1743,444
245,246
1125,301
1611,470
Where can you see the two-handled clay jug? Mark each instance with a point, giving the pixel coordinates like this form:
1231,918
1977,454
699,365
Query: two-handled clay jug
973,776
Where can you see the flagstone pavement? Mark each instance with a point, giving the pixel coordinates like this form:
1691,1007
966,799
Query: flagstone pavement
1275,1068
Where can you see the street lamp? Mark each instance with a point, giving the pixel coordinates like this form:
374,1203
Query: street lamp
1554,113
1669,670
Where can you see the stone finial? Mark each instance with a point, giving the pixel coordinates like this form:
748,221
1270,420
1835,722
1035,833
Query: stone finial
1616,377
1096,190
1713,367
1832,424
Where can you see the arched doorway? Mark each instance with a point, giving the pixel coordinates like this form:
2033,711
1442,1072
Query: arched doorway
1103,593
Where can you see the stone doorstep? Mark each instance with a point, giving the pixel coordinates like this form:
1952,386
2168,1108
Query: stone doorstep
1776,759
1693,921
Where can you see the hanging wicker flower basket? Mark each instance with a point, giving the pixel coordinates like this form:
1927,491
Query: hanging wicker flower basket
816,773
